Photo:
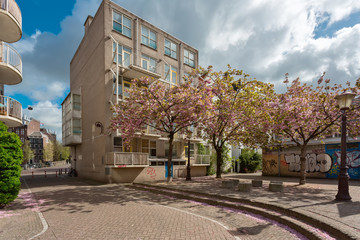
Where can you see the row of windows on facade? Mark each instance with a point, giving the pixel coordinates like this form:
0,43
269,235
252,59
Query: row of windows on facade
149,146
122,24
124,57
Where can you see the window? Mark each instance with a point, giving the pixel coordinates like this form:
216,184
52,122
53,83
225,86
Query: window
148,63
171,74
192,150
118,144
170,48
122,24
189,58
148,37
76,126
148,146
76,102
123,84
124,55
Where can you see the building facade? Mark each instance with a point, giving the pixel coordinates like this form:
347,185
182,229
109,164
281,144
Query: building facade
117,47
10,61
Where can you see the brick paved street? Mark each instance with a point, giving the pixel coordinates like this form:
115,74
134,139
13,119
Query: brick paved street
77,209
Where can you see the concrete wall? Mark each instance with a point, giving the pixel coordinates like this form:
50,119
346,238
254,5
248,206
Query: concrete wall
151,173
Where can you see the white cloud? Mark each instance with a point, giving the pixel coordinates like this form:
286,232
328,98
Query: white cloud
265,38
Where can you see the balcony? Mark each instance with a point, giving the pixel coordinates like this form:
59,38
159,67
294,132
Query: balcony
10,65
10,112
10,21
127,159
201,160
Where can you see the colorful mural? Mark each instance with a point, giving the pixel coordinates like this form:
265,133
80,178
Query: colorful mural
352,160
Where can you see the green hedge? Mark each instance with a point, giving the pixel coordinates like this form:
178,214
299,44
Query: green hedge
11,157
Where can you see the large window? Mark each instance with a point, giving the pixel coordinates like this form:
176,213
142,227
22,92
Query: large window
148,146
148,63
76,102
170,48
189,58
124,55
123,85
122,24
171,74
76,126
119,146
148,37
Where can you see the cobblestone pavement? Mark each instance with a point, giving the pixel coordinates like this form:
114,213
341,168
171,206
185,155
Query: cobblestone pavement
79,209
316,198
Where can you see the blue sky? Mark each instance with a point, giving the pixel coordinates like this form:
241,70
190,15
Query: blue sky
265,38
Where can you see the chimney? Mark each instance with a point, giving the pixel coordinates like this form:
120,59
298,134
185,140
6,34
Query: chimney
88,23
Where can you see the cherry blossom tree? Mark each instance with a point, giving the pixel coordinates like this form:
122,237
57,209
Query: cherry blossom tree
237,111
168,110
304,113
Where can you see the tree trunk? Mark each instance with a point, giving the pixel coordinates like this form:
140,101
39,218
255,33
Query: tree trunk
219,162
303,165
171,139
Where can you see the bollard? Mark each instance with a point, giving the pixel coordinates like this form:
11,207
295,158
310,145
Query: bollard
55,173
65,170
32,173
45,173
61,171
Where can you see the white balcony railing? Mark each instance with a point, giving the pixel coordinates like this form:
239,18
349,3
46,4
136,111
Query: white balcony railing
11,7
202,159
10,107
127,158
10,56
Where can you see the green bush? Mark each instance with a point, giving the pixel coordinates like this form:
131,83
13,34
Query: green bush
249,160
10,159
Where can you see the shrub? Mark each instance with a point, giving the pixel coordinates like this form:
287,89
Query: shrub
10,159
249,160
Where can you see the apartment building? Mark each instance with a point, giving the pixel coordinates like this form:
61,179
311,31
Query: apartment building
117,47
38,137
10,61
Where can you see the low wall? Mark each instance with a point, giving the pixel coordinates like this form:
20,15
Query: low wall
150,173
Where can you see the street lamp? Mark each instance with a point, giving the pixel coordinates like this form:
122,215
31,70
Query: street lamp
188,169
344,101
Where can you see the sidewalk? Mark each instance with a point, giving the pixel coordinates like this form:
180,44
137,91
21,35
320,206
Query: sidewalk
315,199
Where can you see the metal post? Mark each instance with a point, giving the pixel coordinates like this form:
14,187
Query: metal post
343,185
188,175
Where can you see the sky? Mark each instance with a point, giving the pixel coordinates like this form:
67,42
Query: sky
264,38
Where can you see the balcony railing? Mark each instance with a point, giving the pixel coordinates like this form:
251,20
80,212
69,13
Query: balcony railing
127,158
202,159
11,7
8,55
10,107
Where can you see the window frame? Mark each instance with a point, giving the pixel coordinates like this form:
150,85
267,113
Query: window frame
148,60
187,59
124,50
169,77
170,49
115,21
148,37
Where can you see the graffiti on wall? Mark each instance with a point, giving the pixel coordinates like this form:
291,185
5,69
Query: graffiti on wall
269,166
151,171
352,158
314,162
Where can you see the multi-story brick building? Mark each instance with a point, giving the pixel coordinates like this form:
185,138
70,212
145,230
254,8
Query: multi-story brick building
119,46
10,61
